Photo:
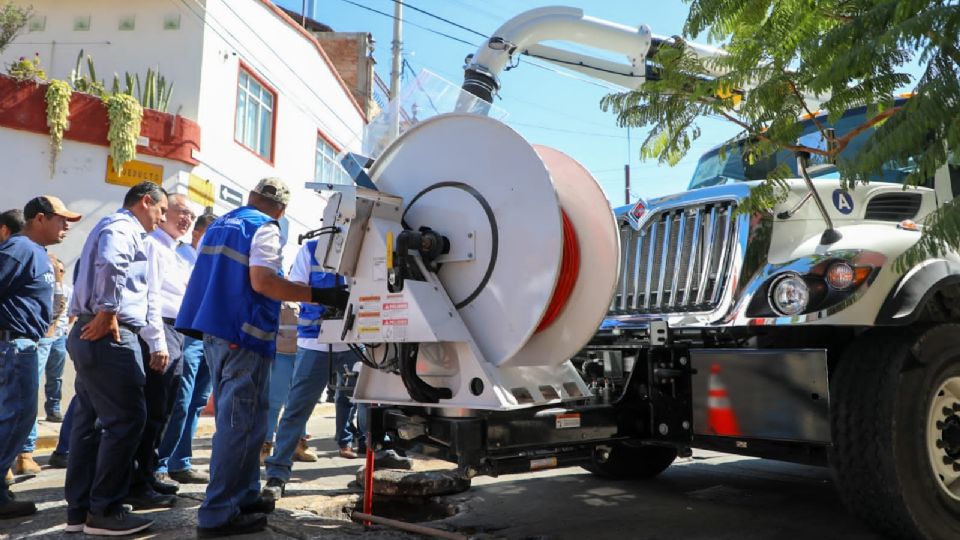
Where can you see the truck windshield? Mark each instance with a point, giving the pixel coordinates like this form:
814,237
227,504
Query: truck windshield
725,165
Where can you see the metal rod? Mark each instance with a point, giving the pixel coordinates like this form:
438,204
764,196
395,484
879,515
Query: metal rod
404,526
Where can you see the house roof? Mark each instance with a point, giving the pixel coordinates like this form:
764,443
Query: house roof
280,12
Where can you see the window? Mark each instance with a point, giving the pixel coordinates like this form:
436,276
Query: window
328,168
254,120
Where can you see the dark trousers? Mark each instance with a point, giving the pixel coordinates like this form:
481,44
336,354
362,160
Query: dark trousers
159,393
109,387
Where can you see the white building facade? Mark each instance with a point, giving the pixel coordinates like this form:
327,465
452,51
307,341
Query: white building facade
257,94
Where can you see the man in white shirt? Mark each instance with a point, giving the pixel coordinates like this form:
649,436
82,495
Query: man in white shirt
175,450
312,371
168,273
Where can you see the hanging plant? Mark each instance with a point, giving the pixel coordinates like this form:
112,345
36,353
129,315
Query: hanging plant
58,109
125,115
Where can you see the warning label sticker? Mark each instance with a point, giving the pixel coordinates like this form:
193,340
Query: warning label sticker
394,306
395,329
569,420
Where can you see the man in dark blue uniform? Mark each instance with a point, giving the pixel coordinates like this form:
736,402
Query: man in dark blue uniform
233,301
26,298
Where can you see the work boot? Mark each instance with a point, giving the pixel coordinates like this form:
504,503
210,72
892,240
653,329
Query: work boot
265,452
390,459
148,499
163,484
55,417
259,506
303,452
347,452
25,464
273,491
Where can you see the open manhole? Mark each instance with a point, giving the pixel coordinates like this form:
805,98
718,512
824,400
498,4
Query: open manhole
411,509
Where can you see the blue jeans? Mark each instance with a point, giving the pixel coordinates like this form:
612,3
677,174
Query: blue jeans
43,351
109,386
54,375
281,377
176,445
346,410
51,355
19,380
240,393
309,380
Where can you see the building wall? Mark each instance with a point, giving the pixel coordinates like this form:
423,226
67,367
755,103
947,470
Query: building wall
148,45
203,58
310,98
82,184
352,54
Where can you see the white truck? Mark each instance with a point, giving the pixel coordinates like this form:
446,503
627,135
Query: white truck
514,322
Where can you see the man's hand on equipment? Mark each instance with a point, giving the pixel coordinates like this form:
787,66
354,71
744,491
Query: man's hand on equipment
159,361
334,297
102,324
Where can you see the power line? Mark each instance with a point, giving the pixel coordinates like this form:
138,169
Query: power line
431,30
439,18
573,131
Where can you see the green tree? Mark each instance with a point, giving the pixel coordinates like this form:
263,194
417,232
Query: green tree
12,19
787,55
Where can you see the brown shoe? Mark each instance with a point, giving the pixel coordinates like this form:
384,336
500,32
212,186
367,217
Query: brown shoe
347,452
25,464
265,452
303,452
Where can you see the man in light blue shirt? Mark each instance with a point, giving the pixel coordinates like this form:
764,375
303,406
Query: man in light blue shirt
110,302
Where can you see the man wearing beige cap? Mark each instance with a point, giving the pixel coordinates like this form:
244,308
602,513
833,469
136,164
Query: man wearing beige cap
26,311
233,301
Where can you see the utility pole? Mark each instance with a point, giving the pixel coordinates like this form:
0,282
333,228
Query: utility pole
626,171
397,66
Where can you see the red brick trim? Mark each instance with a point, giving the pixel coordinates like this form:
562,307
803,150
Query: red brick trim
303,31
23,106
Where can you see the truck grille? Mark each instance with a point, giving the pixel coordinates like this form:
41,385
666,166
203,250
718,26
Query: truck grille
893,206
678,262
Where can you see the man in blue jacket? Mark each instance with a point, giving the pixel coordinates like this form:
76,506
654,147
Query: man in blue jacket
233,301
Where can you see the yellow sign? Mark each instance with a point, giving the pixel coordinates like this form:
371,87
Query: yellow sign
200,191
134,172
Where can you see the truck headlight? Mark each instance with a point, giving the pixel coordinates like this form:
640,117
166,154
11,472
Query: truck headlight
789,295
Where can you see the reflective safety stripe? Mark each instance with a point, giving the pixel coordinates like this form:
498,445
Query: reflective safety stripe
252,330
288,327
309,322
228,252
317,268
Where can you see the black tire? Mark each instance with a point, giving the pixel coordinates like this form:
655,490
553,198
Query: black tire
632,462
881,394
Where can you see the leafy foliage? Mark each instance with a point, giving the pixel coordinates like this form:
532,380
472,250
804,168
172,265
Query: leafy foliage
125,115
12,20
58,110
27,69
788,57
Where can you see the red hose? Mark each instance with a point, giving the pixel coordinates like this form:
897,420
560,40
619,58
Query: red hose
368,483
569,271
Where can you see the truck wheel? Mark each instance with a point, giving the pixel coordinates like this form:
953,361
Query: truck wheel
631,462
895,420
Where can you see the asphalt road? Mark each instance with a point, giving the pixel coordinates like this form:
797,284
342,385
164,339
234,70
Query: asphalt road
711,496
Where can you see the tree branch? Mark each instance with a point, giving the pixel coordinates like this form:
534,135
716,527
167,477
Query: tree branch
842,142
761,136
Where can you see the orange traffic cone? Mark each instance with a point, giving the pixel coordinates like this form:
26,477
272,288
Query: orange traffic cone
720,415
